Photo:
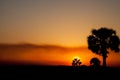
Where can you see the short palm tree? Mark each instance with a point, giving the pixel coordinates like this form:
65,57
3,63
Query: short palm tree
76,62
103,39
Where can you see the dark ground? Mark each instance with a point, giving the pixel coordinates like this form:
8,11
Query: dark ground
33,72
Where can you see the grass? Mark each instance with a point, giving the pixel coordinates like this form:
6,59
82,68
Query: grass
34,72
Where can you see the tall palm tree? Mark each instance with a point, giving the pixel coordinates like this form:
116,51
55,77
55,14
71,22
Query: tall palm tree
103,39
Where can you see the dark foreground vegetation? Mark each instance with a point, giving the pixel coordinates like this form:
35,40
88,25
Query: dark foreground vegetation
33,72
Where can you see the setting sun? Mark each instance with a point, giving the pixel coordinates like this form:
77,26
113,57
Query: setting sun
76,57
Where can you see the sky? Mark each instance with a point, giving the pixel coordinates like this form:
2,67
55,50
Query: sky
58,22
65,23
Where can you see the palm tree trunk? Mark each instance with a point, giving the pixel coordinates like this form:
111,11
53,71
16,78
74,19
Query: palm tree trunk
104,61
104,58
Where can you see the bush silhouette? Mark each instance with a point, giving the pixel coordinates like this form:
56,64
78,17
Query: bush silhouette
95,62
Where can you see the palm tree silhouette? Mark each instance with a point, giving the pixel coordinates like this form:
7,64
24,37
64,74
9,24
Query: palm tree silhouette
95,62
103,39
76,62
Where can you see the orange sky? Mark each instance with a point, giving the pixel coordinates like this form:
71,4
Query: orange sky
52,55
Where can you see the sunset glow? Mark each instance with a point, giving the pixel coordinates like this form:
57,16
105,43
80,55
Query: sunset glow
58,30
76,57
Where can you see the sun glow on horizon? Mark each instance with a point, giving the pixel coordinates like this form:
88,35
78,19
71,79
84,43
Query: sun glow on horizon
76,57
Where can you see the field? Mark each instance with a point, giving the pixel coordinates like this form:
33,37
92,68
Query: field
34,72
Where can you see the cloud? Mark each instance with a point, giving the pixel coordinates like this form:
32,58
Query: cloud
17,51
49,54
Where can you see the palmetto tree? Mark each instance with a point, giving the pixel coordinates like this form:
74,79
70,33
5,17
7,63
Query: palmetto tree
103,39
76,62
